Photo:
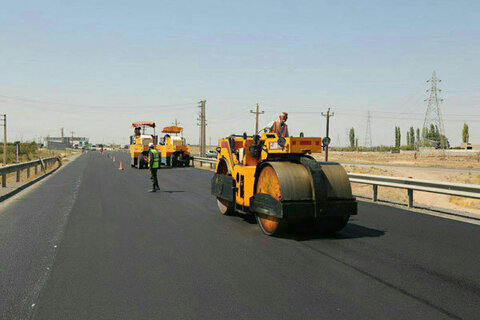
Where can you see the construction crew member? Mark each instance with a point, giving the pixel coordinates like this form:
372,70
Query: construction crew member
138,131
153,164
279,126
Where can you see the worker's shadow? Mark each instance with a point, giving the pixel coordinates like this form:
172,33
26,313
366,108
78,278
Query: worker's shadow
171,191
351,231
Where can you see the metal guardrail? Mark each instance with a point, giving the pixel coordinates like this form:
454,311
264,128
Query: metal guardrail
202,160
44,164
431,186
409,184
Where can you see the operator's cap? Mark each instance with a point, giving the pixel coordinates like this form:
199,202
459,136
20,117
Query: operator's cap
150,145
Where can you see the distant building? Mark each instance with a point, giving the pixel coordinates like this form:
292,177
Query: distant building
469,146
59,143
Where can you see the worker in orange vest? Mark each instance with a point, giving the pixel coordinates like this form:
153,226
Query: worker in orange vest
279,126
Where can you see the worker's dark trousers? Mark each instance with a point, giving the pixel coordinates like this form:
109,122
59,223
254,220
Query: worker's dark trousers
153,177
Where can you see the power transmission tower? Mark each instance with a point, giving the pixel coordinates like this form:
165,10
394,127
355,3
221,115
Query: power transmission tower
368,132
257,113
4,124
433,116
327,115
203,127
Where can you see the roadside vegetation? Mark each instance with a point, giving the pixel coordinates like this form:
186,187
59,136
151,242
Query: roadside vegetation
29,151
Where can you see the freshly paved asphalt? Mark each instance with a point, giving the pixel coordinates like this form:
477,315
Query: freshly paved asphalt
90,243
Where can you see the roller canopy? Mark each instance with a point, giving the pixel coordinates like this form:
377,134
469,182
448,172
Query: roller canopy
143,123
172,129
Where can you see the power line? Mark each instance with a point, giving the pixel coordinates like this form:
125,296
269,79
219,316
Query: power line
191,104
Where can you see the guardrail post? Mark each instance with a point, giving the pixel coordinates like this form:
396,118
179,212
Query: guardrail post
410,198
375,192
36,169
28,172
211,165
4,180
18,175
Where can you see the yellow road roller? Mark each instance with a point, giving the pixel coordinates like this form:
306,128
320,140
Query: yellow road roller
139,142
281,184
174,152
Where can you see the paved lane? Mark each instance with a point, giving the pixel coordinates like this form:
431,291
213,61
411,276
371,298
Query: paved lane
128,254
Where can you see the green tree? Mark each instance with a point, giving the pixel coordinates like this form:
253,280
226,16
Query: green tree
351,136
465,135
408,137
412,136
398,137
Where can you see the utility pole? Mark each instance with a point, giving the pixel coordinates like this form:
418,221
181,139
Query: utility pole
257,113
4,124
71,142
327,115
203,128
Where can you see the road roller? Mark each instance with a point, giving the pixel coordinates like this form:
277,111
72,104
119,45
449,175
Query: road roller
276,180
174,152
139,142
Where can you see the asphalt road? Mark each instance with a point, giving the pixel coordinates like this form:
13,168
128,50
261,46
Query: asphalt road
91,243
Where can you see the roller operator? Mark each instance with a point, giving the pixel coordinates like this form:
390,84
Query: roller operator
279,126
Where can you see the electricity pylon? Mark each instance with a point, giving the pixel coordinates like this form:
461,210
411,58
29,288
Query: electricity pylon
433,131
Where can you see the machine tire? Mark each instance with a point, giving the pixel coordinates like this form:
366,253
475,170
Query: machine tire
187,161
271,226
140,161
167,161
225,207
174,160
133,162
331,225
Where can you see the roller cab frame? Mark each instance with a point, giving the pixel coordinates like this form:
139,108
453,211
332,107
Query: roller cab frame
174,151
139,142
278,181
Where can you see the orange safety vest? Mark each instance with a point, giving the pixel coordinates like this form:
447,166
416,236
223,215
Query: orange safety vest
281,132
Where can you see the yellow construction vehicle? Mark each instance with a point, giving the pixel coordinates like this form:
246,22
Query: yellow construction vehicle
278,181
139,142
174,152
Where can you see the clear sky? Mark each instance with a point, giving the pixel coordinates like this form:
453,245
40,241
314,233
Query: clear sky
94,67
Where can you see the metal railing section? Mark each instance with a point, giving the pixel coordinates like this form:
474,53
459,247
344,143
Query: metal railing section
44,165
447,188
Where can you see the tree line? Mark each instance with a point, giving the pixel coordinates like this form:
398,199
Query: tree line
430,137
